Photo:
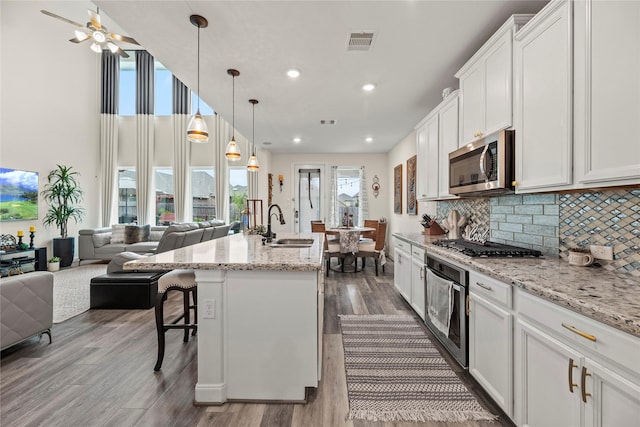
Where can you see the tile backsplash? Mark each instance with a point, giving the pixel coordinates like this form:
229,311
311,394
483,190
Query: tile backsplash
553,223
608,218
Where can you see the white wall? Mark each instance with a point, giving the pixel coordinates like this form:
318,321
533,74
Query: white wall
49,109
404,223
283,164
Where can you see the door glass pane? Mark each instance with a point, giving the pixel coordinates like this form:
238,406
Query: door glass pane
127,203
348,195
237,193
165,208
203,191
309,198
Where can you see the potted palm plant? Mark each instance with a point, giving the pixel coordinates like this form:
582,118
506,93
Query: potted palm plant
63,194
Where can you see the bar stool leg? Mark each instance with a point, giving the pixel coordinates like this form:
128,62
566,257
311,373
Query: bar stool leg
187,314
194,292
160,299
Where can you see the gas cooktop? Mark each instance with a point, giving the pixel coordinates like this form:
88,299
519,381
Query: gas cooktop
486,249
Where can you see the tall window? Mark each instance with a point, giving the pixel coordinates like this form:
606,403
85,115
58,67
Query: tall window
237,192
127,203
205,110
348,195
127,89
165,208
163,90
203,191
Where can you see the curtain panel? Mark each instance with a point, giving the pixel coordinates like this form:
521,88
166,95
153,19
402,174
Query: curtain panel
334,221
110,83
145,137
181,152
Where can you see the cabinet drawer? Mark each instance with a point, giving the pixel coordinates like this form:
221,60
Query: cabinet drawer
403,246
578,330
491,288
417,253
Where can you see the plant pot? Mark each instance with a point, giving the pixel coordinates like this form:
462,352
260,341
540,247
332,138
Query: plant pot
64,249
53,266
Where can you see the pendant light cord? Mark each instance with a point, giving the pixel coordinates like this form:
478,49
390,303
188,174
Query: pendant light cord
253,134
233,107
198,113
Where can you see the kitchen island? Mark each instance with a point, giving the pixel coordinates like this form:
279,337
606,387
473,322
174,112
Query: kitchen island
259,315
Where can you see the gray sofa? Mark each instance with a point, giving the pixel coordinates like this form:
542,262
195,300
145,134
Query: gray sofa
95,243
26,307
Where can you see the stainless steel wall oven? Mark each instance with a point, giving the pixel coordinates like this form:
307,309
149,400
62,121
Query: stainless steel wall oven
446,289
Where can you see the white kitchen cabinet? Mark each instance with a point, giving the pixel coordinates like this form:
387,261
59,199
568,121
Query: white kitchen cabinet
491,338
417,281
402,269
427,157
486,84
543,100
607,93
437,136
571,370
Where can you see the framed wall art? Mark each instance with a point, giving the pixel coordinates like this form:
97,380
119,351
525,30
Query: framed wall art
397,189
412,202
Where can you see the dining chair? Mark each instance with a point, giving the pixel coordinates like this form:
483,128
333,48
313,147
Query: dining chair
331,249
370,223
374,249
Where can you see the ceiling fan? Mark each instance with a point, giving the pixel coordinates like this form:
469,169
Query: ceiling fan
95,31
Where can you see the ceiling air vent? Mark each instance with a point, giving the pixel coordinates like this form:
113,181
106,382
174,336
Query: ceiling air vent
328,122
360,41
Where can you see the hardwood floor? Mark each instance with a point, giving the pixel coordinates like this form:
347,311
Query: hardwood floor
99,371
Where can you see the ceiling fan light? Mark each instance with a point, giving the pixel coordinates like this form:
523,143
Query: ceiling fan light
96,47
197,130
252,165
81,36
232,152
99,36
112,47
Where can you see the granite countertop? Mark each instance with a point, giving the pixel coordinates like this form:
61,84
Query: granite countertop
611,298
238,252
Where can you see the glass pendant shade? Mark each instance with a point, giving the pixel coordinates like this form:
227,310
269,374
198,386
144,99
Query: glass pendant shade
232,152
197,130
252,164
96,47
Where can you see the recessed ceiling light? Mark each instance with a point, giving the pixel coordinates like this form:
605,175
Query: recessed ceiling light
297,140
368,87
368,139
293,73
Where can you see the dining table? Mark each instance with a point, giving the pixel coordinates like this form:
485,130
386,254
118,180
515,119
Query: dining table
349,239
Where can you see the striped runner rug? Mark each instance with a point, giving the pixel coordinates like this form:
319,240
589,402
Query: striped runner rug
395,373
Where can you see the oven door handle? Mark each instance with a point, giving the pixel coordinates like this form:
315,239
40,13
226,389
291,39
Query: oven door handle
437,274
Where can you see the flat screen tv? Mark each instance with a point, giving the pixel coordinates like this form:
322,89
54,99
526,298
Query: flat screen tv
18,195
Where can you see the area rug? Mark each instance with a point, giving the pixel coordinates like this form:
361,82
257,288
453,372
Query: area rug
395,373
71,290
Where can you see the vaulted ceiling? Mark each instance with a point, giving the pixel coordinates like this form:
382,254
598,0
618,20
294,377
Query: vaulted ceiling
417,48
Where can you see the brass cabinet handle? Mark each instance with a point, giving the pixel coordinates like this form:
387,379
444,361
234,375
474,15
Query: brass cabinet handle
578,332
583,384
514,183
483,286
571,384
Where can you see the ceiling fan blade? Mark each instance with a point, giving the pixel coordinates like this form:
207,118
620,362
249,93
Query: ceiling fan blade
95,19
125,39
122,53
53,15
79,40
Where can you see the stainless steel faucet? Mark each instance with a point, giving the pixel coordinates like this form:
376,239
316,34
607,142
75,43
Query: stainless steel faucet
269,235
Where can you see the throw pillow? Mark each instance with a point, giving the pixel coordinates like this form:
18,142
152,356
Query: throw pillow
117,233
101,239
136,233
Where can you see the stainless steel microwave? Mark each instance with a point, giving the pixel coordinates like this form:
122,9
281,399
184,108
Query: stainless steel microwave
483,167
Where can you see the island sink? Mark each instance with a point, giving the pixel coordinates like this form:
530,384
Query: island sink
292,243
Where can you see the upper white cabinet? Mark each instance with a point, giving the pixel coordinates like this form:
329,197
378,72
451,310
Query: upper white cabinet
543,100
607,92
486,84
437,136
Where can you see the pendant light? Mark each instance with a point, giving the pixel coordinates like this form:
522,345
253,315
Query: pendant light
232,151
197,130
252,165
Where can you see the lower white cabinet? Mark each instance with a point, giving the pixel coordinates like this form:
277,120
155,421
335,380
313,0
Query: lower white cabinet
402,269
417,300
571,370
490,338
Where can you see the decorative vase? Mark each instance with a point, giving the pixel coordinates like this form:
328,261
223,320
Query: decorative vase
53,266
64,248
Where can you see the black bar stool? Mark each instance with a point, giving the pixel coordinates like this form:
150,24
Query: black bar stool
185,282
